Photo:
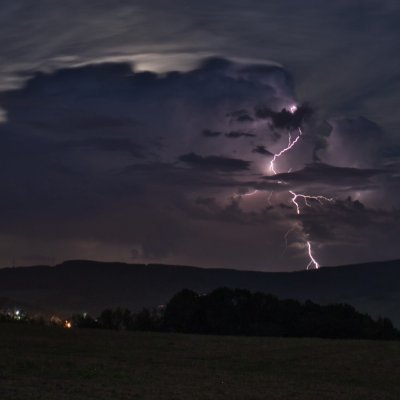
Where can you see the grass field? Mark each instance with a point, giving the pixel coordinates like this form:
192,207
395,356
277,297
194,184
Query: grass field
50,363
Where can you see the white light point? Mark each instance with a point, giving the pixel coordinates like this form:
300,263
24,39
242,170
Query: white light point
293,109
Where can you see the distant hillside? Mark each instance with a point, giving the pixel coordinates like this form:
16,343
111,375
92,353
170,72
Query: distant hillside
76,286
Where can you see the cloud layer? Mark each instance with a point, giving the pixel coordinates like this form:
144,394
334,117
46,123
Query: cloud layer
343,53
104,162
102,159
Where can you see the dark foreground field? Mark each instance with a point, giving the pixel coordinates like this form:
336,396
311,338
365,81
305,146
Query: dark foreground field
49,363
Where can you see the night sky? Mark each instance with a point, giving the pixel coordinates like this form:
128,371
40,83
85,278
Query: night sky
143,131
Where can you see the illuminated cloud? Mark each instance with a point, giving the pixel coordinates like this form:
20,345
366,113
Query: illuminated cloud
102,159
104,146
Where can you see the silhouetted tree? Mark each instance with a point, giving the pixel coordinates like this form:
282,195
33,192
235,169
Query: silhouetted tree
116,319
227,311
240,312
84,321
147,320
184,313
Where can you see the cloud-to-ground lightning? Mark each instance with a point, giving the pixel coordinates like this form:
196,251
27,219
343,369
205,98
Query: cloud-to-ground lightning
312,259
320,199
306,198
295,196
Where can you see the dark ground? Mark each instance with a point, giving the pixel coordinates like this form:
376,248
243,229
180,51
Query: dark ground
52,363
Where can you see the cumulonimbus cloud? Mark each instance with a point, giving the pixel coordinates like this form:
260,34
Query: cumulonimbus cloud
106,156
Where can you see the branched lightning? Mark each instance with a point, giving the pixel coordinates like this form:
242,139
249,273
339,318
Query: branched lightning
283,151
320,199
296,196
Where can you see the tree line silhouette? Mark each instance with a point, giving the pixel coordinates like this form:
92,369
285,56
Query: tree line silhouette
240,312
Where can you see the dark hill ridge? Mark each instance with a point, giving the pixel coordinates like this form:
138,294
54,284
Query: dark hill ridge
76,286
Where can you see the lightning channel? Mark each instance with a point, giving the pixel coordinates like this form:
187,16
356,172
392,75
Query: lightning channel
291,143
313,261
283,151
295,196
245,194
306,197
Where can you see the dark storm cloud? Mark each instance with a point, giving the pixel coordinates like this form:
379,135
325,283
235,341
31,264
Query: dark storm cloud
240,116
230,135
211,134
110,108
107,144
173,177
74,154
285,119
72,139
329,46
359,141
319,173
262,150
349,221
217,163
236,134
89,152
210,209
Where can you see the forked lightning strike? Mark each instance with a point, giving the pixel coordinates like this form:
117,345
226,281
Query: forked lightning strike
291,143
306,198
320,199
